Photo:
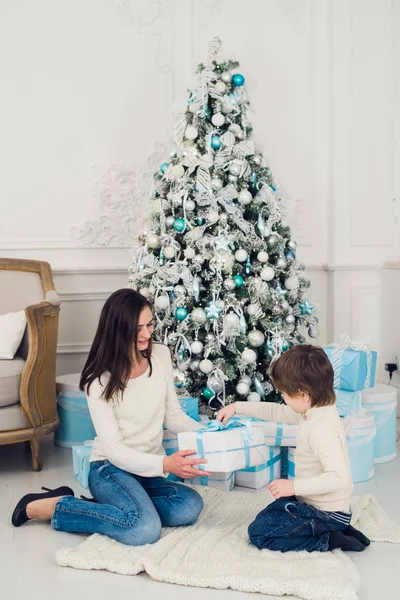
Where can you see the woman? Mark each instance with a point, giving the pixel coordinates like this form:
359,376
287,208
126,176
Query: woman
130,390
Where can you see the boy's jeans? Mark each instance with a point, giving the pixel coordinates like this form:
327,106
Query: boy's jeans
129,508
288,524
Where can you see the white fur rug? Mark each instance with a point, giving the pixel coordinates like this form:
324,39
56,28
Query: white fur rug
215,552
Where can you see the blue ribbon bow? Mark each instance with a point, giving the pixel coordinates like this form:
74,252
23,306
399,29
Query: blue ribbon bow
216,425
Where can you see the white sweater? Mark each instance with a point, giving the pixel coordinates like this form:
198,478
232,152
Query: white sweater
322,466
129,431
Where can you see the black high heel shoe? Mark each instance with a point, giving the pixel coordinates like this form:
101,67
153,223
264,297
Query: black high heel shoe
19,516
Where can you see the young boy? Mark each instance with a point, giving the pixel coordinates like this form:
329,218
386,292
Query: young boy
311,512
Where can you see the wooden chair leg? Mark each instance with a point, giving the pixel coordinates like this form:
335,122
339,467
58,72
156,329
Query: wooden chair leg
35,449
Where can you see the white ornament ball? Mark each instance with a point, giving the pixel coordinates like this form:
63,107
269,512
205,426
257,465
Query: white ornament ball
189,253
235,128
253,397
162,302
218,119
220,304
291,283
191,132
245,197
216,184
240,135
267,274
242,388
235,168
194,365
226,77
231,320
255,338
241,255
285,305
153,240
263,256
145,292
232,178
213,216
177,171
199,316
169,252
249,356
169,221
227,106
196,347
252,309
257,159
246,379
190,205
220,87
206,366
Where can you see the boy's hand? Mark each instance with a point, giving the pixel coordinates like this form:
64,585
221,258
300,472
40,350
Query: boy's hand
226,413
281,488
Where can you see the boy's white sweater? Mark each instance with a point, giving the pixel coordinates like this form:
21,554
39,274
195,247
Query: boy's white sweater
322,466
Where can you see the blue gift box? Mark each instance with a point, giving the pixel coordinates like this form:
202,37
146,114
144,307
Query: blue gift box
81,463
348,403
291,471
354,369
190,406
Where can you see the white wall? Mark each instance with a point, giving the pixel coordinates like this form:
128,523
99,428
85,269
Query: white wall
87,94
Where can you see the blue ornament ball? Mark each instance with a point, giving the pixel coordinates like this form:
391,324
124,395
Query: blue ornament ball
238,80
164,167
207,113
216,142
179,225
285,346
207,393
290,256
199,221
181,313
239,281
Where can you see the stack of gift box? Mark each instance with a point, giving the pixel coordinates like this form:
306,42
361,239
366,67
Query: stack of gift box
251,452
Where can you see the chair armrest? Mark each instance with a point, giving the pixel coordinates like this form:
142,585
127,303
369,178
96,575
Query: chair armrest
38,381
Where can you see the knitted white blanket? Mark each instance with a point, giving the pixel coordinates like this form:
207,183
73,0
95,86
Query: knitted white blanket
215,552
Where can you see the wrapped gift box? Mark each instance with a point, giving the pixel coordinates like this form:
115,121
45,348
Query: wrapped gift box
354,369
291,468
190,406
227,448
222,481
81,462
275,434
257,477
348,403
360,434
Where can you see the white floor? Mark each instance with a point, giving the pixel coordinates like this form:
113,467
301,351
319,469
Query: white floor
27,555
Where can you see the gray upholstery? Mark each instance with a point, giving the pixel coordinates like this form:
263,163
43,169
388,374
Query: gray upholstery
19,289
10,379
12,417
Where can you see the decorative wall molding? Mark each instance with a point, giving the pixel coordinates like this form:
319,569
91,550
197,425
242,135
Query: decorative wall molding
73,348
85,296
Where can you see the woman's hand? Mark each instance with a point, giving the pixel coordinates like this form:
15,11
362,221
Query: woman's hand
226,413
179,464
281,488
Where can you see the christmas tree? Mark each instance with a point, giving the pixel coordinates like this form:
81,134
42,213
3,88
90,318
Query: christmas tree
219,263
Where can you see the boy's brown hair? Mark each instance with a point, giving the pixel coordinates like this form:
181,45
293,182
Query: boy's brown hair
305,368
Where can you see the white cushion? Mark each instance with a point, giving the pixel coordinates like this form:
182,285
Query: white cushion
10,380
13,417
12,328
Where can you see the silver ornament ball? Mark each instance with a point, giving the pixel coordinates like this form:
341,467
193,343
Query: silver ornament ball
216,184
281,262
273,240
232,178
290,319
226,77
255,338
199,316
169,221
229,284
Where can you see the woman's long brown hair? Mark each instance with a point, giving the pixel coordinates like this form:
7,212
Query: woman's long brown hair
114,349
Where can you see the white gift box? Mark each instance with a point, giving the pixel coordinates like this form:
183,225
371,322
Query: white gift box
275,434
226,450
258,477
222,481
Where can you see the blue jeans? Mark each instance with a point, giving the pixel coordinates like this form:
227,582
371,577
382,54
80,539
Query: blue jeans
288,524
129,508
